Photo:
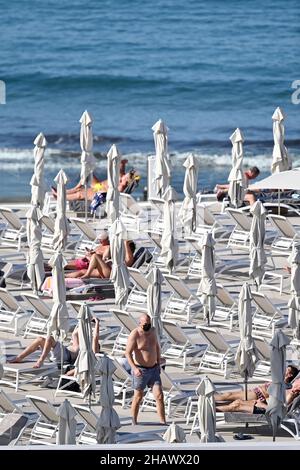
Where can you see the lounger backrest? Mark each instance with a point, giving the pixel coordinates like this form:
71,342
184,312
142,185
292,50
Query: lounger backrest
180,289
8,300
175,333
11,218
86,229
155,238
49,223
263,304
195,244
157,203
38,305
120,374
206,215
214,339
130,204
243,222
262,347
88,416
224,296
125,319
139,278
44,408
6,405
167,383
283,225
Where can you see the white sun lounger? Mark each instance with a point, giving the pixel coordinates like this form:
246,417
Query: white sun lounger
183,305
12,316
16,375
182,350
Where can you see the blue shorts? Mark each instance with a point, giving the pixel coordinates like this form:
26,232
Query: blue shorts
150,376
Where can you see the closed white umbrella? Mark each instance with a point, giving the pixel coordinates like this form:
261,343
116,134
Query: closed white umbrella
61,225
276,404
281,160
188,209
59,316
154,300
119,273
86,359
113,177
246,356
207,286
88,162
207,411
294,303
169,244
67,424
162,164
35,260
236,177
174,433
37,180
258,258
108,421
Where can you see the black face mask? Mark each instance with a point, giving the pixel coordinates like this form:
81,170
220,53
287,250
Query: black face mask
146,326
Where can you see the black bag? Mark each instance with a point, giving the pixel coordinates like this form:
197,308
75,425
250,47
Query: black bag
70,385
2,281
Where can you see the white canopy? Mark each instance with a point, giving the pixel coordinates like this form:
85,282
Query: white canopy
283,180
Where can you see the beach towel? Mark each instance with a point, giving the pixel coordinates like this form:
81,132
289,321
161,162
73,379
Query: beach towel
71,283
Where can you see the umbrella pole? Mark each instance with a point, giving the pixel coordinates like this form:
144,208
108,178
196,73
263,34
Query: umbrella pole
278,201
85,201
246,391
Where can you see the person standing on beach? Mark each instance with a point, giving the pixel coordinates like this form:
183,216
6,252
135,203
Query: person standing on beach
143,356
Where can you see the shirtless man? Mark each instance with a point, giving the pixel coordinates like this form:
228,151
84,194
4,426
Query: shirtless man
70,352
143,356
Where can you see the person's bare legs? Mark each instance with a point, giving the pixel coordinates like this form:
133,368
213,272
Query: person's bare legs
232,396
160,406
80,273
96,262
48,345
238,405
135,406
38,343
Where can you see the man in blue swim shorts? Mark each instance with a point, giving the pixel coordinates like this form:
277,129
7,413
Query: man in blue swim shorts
143,356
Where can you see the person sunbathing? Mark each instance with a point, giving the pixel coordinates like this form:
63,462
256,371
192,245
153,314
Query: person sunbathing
100,264
222,189
258,406
95,182
83,263
59,351
258,393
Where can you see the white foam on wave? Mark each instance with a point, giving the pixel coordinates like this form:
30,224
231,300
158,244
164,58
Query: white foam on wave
22,159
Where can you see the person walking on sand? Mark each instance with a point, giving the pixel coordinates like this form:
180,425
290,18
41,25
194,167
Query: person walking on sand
143,356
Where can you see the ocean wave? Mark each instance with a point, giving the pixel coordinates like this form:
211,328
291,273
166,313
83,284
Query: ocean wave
22,159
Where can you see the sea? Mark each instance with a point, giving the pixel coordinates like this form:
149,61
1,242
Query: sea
204,67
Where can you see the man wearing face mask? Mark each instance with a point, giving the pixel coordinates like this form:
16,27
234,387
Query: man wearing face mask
143,355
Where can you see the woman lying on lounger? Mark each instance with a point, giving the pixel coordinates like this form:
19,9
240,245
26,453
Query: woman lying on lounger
258,397
100,264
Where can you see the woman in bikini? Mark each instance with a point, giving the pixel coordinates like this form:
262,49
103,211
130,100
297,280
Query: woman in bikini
100,264
258,397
